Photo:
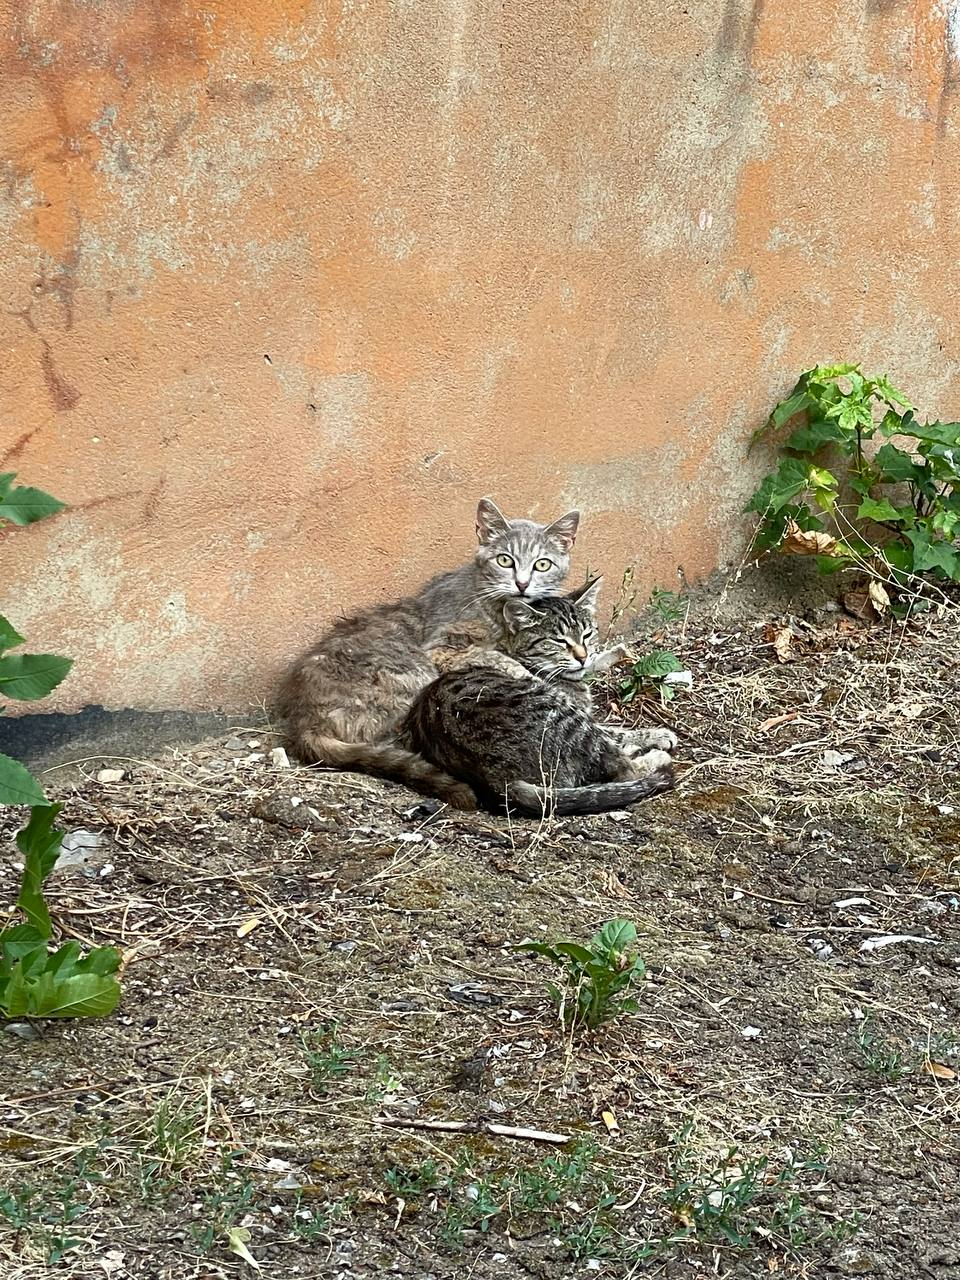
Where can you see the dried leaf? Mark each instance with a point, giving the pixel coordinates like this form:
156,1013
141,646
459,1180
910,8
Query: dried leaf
369,1197
878,597
859,605
940,1070
248,926
774,721
807,542
237,1238
610,1120
781,638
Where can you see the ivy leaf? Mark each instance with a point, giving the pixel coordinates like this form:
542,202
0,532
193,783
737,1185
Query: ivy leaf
9,636
28,676
945,523
790,407
781,487
17,784
898,555
39,842
881,509
895,465
830,564
884,387
947,433
850,414
814,435
829,372
22,505
936,555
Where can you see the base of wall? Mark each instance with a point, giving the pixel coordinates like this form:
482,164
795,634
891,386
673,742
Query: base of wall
47,741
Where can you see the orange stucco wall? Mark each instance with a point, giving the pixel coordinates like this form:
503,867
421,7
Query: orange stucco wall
287,284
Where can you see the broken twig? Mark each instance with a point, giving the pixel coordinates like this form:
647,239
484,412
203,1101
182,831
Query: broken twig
477,1126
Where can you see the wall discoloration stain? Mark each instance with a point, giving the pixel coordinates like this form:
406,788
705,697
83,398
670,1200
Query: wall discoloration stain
553,252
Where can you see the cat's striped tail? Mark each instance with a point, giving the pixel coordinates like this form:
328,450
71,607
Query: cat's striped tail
384,760
600,797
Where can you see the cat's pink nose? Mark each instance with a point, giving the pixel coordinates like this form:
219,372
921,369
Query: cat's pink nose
522,586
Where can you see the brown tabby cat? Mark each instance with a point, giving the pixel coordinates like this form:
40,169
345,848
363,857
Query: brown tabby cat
515,724
343,700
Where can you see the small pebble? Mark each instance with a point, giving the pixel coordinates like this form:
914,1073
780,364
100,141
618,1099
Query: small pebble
22,1030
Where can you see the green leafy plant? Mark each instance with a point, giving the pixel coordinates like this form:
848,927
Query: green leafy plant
670,605
326,1057
532,1197
881,1056
594,977
47,1214
649,673
740,1200
24,676
33,981
845,493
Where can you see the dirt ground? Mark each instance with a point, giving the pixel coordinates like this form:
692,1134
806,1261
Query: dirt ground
300,977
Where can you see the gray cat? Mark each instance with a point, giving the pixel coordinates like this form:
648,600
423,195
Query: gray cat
343,700
515,724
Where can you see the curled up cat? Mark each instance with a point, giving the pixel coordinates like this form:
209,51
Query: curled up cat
343,700
515,723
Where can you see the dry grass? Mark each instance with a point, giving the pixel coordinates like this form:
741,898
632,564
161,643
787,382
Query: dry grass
285,987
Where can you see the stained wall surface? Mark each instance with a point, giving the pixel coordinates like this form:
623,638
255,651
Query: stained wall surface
287,284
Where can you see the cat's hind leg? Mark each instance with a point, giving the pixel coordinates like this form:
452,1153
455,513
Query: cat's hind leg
634,742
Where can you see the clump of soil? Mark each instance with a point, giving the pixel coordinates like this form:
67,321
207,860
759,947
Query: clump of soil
318,968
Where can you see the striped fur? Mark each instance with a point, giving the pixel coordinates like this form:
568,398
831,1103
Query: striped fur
342,700
384,760
516,725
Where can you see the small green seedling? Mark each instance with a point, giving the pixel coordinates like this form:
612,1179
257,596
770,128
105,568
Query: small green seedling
326,1057
880,1055
594,977
649,673
670,605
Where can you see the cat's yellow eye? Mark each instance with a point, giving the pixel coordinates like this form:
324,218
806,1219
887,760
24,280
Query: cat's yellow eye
504,562
542,566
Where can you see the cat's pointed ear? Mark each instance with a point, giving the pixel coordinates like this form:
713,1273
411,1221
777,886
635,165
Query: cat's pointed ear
490,521
564,529
586,596
517,614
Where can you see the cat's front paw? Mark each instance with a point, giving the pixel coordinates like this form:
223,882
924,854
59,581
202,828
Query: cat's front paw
652,761
660,738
